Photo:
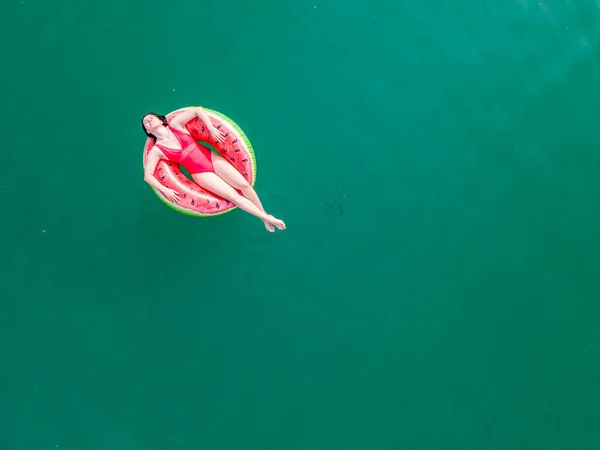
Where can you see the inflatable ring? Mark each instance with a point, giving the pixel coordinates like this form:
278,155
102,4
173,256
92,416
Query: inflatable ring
194,200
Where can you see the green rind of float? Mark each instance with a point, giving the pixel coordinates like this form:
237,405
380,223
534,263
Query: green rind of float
239,130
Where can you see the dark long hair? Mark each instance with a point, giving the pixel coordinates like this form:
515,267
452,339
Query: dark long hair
162,118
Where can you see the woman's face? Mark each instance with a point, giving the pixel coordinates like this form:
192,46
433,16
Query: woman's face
152,123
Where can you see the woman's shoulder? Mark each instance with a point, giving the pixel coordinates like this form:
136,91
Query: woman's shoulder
156,150
176,127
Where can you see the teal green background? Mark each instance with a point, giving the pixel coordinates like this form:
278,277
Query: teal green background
437,287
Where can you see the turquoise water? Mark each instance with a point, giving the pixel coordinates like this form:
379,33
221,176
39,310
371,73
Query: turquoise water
436,288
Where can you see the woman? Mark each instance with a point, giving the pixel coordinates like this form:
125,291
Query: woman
173,142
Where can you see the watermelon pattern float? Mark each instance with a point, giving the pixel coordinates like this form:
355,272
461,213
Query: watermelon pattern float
194,200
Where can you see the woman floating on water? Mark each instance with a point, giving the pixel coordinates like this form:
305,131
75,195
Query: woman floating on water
173,142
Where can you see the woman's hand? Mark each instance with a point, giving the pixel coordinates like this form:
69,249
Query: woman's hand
172,195
217,134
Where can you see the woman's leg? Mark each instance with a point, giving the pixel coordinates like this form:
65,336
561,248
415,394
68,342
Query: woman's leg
213,183
230,174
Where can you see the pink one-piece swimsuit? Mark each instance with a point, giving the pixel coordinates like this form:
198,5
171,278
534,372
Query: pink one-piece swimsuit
194,157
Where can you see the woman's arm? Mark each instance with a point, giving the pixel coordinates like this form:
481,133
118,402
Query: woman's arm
188,115
153,158
204,117
197,111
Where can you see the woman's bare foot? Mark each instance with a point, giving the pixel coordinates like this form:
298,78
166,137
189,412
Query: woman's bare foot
269,226
278,223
